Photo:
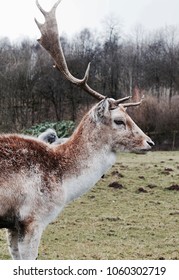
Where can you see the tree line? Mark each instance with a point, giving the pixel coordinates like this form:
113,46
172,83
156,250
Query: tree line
32,91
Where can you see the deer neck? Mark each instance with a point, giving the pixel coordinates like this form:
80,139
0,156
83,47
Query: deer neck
87,156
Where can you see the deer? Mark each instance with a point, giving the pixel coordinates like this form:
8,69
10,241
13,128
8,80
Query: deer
37,179
50,136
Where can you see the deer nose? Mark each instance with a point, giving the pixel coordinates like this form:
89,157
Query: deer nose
151,143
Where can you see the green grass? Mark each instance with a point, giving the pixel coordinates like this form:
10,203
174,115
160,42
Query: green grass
138,221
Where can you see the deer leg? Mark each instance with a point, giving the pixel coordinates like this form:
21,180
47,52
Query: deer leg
12,239
29,241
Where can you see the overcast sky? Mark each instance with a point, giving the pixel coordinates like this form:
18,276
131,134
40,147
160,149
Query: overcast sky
17,16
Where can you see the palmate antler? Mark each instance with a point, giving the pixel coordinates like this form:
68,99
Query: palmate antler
51,43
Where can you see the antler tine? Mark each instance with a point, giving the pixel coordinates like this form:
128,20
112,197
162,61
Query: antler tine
51,43
133,103
40,8
118,101
56,5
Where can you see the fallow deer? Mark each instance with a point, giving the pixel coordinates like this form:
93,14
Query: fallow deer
37,179
50,136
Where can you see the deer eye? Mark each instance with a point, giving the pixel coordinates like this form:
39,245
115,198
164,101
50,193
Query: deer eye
119,122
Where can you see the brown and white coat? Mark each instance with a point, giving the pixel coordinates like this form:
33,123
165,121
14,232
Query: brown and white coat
37,179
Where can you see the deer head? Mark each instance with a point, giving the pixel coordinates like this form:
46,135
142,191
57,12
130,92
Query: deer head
123,133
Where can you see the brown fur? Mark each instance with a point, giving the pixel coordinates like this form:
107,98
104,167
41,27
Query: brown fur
17,152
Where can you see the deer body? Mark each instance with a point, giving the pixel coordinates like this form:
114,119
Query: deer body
37,179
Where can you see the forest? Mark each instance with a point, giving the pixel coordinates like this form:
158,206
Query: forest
32,91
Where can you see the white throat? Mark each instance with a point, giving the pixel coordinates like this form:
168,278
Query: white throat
95,167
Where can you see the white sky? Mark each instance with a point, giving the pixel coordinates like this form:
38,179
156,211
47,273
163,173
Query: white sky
17,16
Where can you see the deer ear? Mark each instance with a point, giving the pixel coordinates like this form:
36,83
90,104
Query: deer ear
102,109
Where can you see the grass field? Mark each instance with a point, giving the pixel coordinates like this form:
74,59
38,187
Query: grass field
132,213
